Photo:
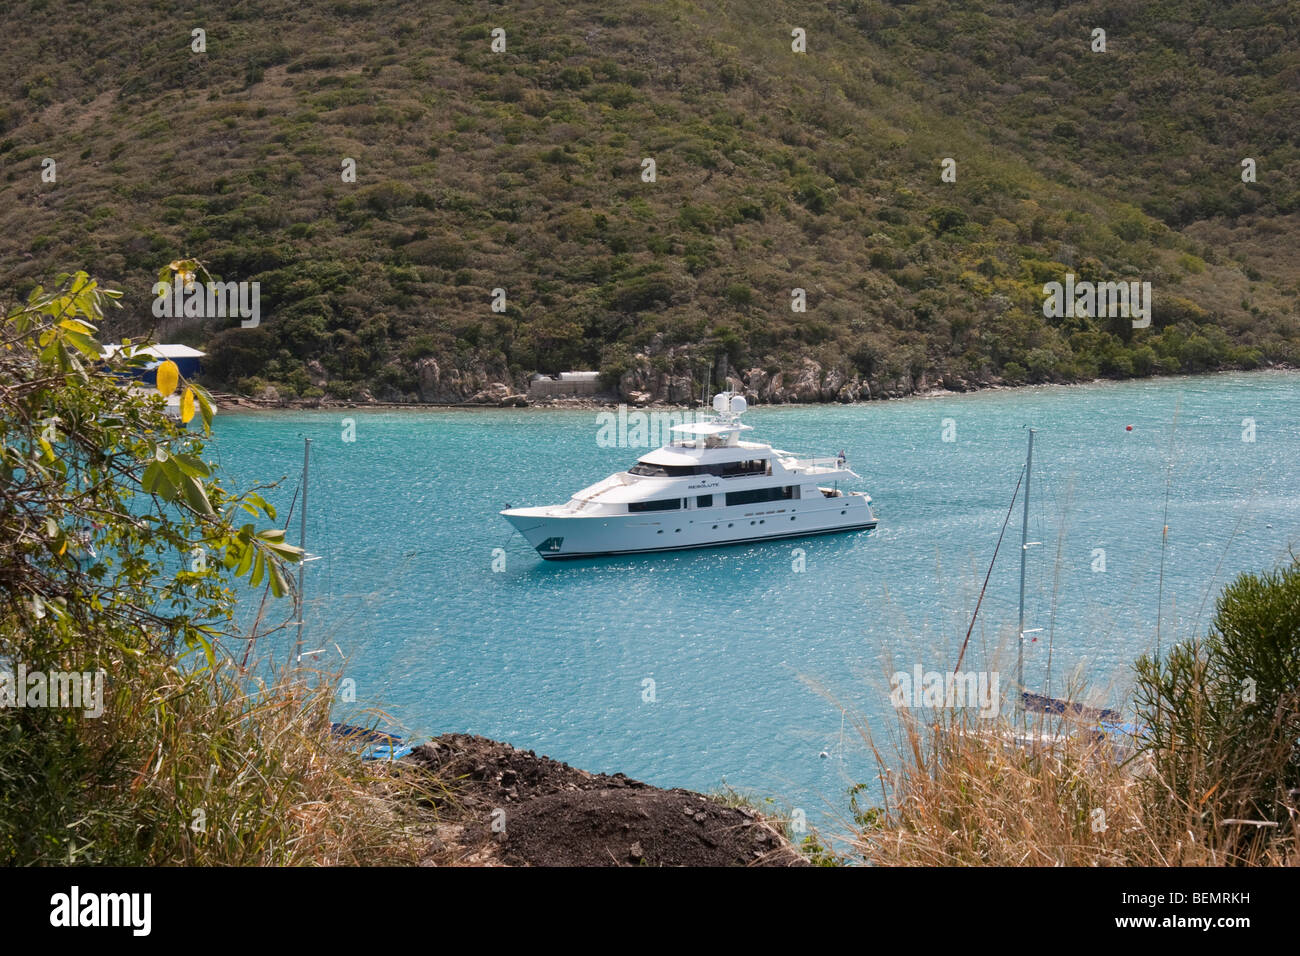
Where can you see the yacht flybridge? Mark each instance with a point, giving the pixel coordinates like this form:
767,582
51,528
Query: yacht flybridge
706,487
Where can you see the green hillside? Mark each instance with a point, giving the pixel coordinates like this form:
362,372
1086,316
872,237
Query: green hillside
775,170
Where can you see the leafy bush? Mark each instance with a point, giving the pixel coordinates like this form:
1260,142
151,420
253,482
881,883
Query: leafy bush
1224,713
120,550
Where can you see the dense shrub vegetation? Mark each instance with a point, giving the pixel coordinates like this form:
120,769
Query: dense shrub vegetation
121,555
522,170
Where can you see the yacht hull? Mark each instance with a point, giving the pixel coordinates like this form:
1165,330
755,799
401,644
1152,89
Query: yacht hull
565,537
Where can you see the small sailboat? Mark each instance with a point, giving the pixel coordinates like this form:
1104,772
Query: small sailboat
1102,725
368,742
1105,726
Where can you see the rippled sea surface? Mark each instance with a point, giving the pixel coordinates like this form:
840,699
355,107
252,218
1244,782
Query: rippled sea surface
729,666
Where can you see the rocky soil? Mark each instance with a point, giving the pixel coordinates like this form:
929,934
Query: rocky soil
508,807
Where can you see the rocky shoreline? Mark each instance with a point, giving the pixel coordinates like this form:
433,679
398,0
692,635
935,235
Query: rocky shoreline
757,386
644,382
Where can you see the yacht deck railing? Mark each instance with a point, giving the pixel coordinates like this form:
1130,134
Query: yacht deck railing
815,466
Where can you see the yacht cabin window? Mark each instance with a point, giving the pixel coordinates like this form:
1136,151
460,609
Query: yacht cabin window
663,504
756,495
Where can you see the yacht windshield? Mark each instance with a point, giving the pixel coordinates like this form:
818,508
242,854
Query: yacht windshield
724,469
662,471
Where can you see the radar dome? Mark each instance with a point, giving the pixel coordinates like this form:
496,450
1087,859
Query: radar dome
720,402
738,405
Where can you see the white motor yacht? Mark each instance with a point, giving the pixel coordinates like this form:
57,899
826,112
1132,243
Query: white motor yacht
704,488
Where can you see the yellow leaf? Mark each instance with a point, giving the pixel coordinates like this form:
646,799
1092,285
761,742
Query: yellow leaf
187,405
168,376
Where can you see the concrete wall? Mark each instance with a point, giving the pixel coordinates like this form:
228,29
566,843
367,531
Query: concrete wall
569,388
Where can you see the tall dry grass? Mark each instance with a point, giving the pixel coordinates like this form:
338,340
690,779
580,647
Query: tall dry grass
206,768
963,792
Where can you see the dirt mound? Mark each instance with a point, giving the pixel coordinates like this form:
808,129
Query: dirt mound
508,806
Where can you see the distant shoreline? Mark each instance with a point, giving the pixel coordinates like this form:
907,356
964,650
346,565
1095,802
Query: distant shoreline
228,402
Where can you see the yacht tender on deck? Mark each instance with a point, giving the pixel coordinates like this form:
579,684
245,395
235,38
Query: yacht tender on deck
706,487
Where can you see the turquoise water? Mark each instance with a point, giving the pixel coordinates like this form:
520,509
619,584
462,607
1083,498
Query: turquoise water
747,655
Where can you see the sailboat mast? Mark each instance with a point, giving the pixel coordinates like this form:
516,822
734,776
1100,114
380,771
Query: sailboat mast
302,543
1024,549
